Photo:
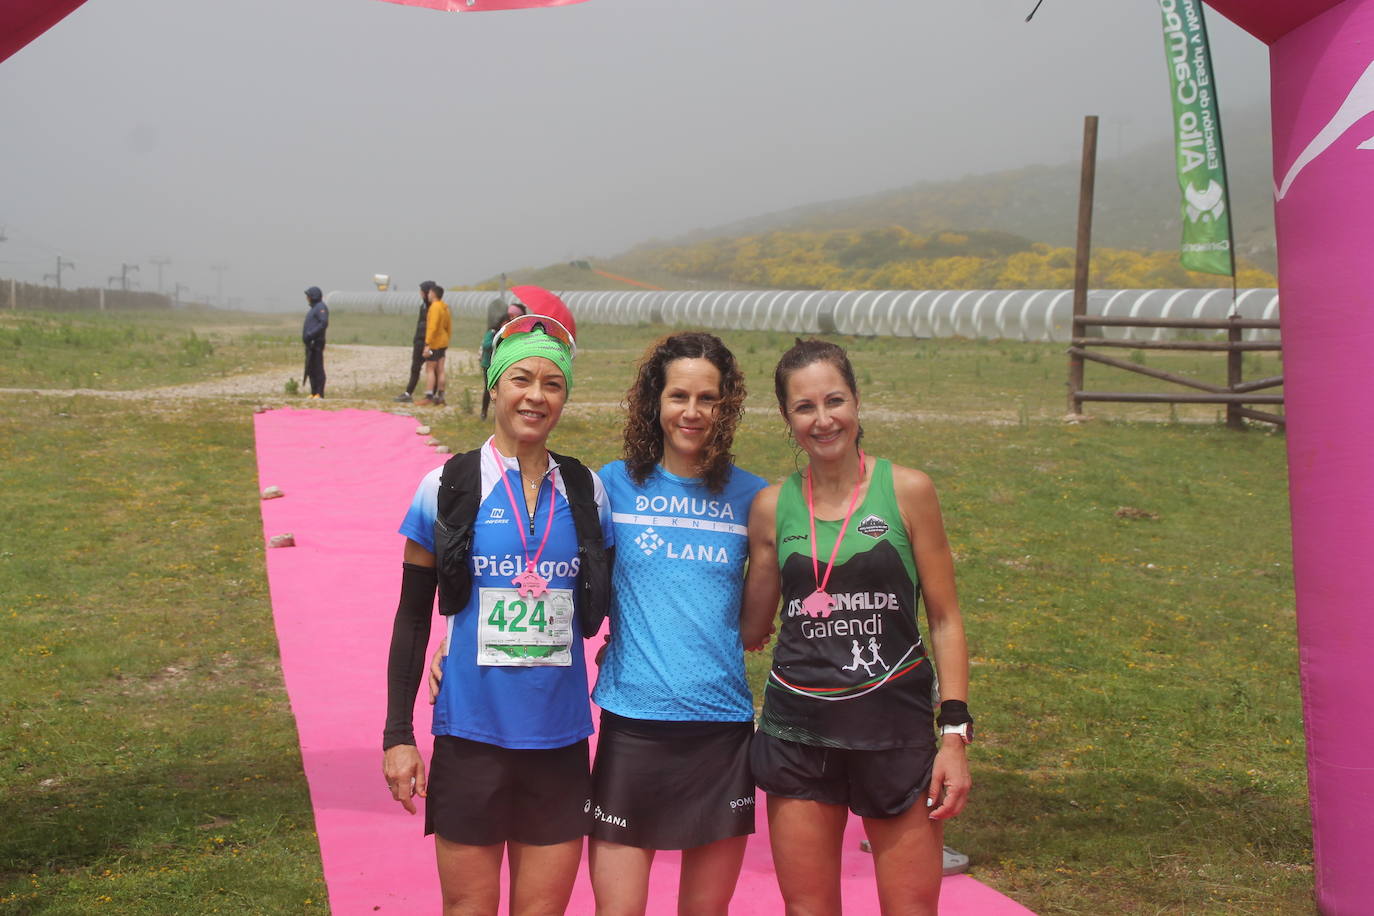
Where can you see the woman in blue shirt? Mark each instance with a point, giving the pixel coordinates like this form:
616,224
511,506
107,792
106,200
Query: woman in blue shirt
672,762
509,775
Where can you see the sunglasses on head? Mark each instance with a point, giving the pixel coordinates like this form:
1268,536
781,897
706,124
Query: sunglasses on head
526,324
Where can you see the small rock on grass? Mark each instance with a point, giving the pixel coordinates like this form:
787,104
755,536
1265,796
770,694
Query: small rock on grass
431,441
272,493
442,449
282,540
422,430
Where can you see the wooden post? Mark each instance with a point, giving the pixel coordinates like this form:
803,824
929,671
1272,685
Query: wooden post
1235,367
1080,268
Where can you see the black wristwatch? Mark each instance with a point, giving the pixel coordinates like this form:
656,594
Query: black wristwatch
954,719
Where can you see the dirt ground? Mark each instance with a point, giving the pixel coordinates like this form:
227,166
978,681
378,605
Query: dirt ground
353,365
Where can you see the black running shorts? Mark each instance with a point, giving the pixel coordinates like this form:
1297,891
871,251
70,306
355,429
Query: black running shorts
870,783
671,785
436,354
480,794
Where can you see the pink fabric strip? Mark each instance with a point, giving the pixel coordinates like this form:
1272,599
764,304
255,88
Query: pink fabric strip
1323,116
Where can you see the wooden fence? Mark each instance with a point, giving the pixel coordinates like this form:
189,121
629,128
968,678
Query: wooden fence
1235,394
32,297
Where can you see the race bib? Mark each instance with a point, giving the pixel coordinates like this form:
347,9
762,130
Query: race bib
515,631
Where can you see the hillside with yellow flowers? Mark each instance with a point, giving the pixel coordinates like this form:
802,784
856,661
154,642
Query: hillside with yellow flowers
1007,230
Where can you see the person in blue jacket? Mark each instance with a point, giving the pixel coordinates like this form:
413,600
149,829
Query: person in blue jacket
672,761
312,335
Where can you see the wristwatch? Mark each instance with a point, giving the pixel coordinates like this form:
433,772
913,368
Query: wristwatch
964,730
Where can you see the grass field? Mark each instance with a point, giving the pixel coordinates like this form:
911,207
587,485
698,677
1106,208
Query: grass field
1126,585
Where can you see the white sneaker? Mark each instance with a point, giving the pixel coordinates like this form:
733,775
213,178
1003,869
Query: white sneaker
956,863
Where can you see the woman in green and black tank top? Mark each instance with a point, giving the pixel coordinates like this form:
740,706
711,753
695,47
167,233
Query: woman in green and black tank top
858,678
851,544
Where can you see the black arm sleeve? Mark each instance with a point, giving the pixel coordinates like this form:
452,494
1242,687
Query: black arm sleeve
406,663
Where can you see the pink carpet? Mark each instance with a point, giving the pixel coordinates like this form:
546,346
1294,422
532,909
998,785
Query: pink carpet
348,476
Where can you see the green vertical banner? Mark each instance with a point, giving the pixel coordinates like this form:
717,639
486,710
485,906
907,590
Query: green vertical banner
1197,140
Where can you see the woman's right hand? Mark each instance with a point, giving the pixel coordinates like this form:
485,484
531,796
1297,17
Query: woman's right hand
405,774
436,670
759,608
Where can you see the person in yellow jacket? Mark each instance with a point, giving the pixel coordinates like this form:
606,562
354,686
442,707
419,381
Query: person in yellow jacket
438,326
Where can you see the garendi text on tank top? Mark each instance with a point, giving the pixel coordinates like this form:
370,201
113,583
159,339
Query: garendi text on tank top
825,628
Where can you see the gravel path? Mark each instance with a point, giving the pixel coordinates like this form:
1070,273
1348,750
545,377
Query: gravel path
358,365
354,366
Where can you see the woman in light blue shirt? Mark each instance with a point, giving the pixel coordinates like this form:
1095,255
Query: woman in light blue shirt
672,763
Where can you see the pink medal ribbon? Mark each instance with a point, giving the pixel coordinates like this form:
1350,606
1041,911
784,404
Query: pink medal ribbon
528,584
819,603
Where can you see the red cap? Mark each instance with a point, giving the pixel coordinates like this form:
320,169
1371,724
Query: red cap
540,301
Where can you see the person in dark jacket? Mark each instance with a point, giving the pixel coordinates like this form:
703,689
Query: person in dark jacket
417,351
312,335
496,318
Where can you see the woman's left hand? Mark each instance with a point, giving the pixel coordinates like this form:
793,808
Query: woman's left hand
756,641
950,782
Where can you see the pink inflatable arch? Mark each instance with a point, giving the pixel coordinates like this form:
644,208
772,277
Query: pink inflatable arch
1322,74
21,21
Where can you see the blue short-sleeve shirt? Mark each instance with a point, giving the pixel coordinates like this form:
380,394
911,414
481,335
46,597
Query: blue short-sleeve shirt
514,707
675,652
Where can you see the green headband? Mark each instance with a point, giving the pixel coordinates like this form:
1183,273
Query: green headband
522,346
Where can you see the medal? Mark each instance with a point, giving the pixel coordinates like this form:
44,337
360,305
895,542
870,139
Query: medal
529,584
819,603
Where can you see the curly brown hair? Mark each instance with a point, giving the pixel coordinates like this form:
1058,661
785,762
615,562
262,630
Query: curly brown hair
644,436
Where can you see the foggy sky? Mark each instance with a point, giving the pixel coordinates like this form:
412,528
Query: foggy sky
316,142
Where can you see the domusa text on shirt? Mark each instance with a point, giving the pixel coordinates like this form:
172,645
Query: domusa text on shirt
683,505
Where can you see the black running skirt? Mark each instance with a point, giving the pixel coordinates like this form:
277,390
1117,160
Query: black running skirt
671,785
